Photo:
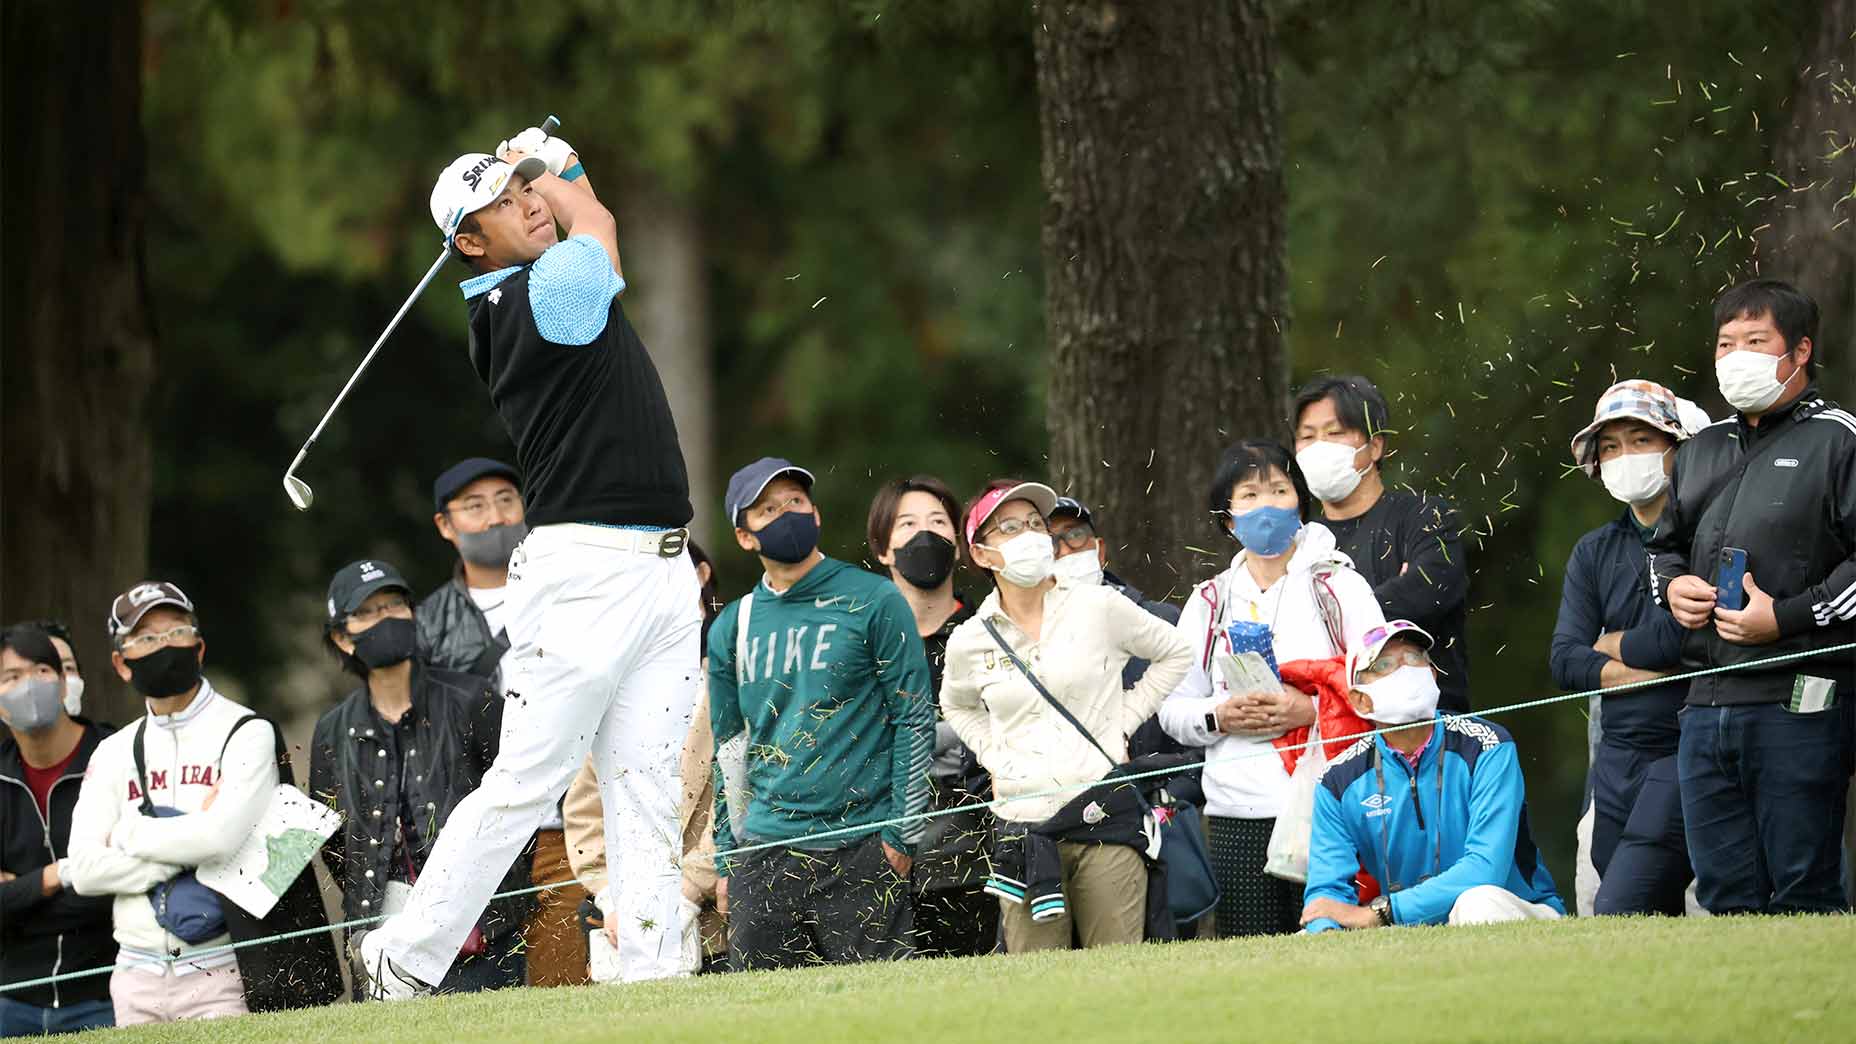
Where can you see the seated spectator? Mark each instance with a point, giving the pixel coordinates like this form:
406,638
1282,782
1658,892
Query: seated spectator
1611,632
45,927
818,694
705,928
1436,811
1062,863
913,534
395,757
1290,577
184,755
67,659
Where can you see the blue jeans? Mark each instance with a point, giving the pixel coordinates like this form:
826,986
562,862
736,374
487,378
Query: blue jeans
1763,796
28,1020
1638,845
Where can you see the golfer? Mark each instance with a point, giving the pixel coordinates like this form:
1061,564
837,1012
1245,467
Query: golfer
603,617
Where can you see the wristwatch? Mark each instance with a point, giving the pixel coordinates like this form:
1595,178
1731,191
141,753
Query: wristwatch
1211,723
1382,906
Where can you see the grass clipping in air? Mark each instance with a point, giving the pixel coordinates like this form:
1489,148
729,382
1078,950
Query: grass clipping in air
1702,979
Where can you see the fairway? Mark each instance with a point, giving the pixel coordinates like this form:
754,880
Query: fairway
1744,979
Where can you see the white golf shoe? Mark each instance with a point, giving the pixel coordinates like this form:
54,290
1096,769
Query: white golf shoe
380,978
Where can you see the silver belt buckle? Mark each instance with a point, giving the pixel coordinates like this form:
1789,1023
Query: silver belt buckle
670,543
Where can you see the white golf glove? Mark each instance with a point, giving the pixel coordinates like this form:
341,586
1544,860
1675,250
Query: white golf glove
553,151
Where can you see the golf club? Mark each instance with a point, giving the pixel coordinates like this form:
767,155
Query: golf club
299,492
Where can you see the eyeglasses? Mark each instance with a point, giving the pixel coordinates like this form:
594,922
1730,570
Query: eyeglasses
1390,662
185,634
390,606
476,507
1011,527
1077,537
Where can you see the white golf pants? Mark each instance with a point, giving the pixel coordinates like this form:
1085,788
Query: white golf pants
1491,904
603,658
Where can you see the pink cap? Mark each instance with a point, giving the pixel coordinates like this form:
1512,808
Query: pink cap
1041,497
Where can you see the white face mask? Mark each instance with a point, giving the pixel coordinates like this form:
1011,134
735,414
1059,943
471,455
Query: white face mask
1328,467
1634,478
1749,381
1082,568
1406,695
73,694
1029,557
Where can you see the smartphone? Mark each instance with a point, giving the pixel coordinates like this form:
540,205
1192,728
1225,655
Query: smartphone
1730,580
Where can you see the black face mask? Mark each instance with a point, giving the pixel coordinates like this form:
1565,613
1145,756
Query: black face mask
789,538
170,671
926,560
393,640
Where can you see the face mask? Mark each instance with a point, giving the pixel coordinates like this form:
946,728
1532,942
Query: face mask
392,640
169,671
493,546
1082,568
32,705
789,538
73,694
1749,381
1328,467
1028,556
1266,531
926,560
1406,695
1634,478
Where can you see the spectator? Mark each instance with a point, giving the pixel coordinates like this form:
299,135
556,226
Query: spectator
45,927
395,757
818,693
912,533
1458,851
1611,633
1765,753
706,929
1405,544
68,665
218,779
1063,863
463,624
1289,576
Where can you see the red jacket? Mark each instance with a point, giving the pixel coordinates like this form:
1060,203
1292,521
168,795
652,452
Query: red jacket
1326,681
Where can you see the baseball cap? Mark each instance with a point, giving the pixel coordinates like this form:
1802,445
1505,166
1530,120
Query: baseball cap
130,606
471,182
356,582
1374,640
465,472
1041,497
746,486
1070,507
1637,400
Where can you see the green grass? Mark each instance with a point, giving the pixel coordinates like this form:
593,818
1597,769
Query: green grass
1744,979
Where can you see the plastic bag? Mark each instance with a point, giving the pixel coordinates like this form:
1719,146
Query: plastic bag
1287,856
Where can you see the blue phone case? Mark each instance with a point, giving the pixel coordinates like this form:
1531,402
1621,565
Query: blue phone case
1730,581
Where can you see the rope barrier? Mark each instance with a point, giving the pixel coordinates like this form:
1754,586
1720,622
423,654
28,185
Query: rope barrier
1073,788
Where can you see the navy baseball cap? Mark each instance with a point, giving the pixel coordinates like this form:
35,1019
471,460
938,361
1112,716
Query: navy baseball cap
130,606
356,582
1070,507
465,472
745,487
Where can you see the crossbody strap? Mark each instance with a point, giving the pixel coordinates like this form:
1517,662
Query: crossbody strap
1042,691
141,768
741,636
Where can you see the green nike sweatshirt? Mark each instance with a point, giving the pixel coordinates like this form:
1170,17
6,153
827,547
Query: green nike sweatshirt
828,720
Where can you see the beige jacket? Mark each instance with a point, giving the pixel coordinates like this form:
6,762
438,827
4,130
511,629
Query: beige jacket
1089,633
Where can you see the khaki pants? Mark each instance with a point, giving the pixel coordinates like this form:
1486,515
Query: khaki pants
1105,891
553,944
145,995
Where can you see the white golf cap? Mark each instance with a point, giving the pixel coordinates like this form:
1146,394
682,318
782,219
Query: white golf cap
1373,642
471,182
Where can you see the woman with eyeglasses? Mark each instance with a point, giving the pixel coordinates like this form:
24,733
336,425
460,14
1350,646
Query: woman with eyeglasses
1033,686
1290,585
395,757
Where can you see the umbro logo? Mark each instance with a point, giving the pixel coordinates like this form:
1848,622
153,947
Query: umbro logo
1375,801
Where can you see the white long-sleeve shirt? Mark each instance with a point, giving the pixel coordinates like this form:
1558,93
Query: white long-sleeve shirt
116,850
1244,777
1089,633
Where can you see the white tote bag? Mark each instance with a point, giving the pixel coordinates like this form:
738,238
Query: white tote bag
1288,851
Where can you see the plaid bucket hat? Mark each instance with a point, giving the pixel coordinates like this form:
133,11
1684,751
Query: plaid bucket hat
1637,400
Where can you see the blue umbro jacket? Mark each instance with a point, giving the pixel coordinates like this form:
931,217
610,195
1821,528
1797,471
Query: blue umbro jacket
1427,837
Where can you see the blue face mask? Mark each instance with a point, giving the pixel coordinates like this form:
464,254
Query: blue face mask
789,538
1267,531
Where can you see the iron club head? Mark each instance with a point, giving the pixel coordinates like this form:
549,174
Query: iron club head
299,492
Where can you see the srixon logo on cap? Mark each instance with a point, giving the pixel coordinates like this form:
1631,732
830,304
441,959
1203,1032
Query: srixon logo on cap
475,174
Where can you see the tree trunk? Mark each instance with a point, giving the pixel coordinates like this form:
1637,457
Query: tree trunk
660,239
1164,292
79,351
1815,152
